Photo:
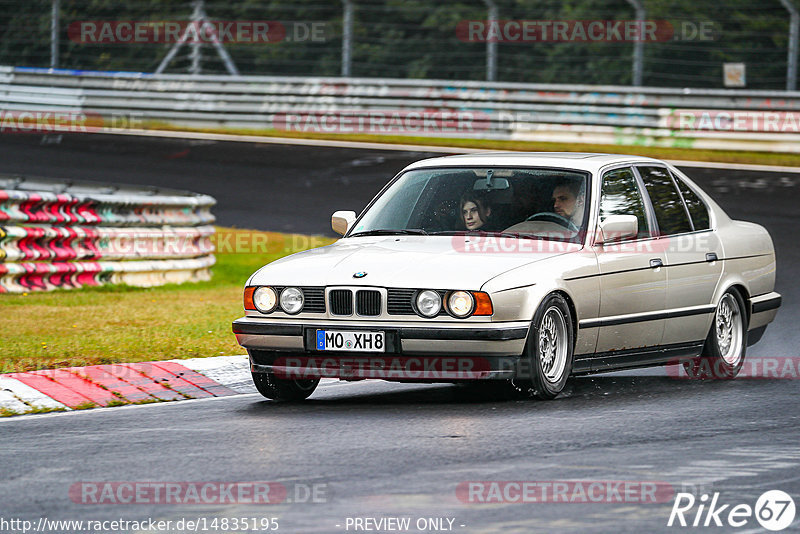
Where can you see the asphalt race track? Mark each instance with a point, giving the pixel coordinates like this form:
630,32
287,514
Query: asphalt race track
377,450
258,186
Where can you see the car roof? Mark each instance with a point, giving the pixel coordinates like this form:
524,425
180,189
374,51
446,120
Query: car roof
584,161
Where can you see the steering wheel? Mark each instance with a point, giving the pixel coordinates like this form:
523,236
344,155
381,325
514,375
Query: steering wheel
549,216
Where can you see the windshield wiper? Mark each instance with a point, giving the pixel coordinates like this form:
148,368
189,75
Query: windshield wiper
412,231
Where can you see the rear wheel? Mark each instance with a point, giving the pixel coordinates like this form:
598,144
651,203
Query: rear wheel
726,344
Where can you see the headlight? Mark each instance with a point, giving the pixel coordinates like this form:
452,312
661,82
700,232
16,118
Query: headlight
429,303
265,299
460,303
292,300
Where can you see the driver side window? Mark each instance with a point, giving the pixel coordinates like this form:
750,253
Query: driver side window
621,196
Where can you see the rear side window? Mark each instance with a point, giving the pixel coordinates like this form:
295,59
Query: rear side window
670,210
697,208
621,196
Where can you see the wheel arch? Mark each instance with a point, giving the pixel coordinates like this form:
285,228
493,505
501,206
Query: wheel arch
572,310
737,283
748,309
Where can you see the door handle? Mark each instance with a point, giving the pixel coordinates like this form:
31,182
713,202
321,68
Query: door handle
711,256
655,263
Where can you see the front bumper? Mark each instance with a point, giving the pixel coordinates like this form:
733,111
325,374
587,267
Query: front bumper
414,352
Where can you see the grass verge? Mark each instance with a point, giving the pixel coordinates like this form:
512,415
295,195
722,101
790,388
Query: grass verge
114,324
638,147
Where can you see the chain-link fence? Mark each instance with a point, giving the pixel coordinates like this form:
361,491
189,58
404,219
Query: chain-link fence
666,43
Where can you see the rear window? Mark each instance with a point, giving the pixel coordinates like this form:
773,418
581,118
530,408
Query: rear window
667,203
697,208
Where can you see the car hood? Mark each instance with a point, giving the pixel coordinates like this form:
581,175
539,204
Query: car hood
439,262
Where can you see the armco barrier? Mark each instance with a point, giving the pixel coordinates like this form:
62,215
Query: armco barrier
67,235
565,113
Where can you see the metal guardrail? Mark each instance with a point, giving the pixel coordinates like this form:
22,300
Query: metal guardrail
56,234
619,115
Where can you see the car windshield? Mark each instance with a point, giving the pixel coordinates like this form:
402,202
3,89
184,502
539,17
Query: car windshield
538,203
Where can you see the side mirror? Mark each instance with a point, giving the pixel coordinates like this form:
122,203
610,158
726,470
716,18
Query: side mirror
341,221
618,227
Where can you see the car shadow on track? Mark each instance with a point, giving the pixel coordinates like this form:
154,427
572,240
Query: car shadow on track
592,391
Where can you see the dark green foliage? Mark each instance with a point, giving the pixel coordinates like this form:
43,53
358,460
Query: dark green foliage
417,39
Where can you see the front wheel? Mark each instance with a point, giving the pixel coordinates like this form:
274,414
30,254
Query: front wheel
548,351
726,344
281,389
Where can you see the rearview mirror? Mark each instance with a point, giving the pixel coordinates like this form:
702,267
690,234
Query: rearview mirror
490,183
618,227
341,221
494,185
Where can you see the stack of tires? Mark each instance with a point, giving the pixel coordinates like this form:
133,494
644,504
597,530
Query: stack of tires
68,235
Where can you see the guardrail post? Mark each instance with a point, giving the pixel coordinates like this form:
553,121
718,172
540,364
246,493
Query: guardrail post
54,26
347,38
638,45
794,39
491,44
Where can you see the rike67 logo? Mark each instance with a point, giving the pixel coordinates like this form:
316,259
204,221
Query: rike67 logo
774,510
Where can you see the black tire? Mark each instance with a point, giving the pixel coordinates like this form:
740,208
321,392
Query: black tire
543,377
280,389
720,360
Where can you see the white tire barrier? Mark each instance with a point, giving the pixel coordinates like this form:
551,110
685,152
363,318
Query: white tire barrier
55,235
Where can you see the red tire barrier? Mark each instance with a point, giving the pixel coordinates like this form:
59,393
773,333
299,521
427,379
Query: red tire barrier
68,243
76,203
82,234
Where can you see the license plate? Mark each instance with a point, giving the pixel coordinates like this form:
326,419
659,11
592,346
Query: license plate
351,341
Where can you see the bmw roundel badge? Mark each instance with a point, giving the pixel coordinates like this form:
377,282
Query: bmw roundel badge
360,274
